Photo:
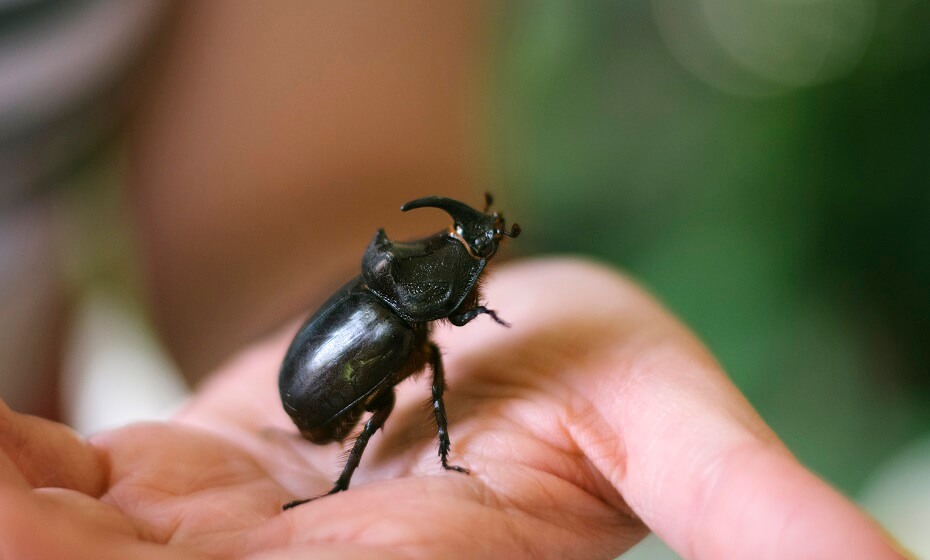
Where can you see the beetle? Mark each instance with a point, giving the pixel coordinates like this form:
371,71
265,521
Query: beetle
374,332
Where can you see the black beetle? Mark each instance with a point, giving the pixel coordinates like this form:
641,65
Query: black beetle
374,332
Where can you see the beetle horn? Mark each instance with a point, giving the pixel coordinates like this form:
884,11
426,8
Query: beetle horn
460,212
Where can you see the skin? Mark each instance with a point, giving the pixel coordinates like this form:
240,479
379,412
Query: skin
596,416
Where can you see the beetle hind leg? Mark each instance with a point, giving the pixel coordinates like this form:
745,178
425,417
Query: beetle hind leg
382,408
439,408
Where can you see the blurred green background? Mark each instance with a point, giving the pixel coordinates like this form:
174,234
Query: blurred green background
763,168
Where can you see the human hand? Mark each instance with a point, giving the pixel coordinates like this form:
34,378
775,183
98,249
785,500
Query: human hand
596,416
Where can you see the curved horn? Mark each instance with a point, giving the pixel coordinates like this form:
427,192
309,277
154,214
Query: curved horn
460,212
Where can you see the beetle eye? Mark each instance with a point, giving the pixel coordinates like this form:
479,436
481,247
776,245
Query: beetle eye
484,245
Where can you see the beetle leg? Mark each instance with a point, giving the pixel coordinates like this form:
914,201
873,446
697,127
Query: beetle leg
382,409
466,316
439,408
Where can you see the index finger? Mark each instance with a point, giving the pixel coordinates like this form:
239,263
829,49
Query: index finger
675,438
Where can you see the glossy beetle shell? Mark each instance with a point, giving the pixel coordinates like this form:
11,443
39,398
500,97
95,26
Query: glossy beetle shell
343,356
374,333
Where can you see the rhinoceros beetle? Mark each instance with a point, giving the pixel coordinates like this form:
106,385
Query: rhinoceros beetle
374,332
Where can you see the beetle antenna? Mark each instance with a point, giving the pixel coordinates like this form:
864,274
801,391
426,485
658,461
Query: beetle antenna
514,231
488,201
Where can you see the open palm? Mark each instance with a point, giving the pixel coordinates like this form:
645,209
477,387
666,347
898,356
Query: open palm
594,417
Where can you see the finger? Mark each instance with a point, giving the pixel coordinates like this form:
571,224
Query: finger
48,454
58,523
661,422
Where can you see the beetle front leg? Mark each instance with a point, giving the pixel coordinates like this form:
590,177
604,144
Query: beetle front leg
382,409
439,408
466,316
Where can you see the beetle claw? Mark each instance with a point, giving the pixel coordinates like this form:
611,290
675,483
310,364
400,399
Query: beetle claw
296,503
456,468
498,320
290,505
336,489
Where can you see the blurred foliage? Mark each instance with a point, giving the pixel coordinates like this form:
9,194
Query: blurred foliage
762,167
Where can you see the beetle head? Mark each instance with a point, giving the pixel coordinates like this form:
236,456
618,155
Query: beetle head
480,231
